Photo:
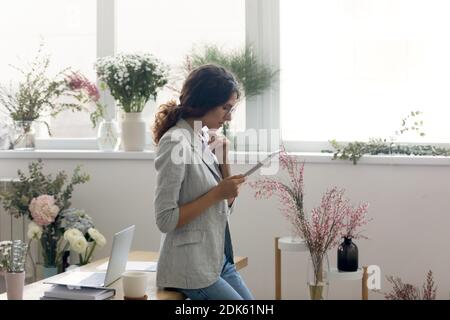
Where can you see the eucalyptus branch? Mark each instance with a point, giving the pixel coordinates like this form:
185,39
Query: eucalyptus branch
355,150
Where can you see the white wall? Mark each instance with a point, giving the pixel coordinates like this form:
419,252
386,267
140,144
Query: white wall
410,206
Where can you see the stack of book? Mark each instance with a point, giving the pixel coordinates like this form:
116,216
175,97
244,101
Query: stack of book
61,292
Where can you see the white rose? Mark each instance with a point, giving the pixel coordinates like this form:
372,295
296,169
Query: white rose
72,234
34,231
97,236
78,244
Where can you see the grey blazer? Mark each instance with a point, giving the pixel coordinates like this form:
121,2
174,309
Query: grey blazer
191,256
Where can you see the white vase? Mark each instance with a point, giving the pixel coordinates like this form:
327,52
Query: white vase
133,132
108,136
14,285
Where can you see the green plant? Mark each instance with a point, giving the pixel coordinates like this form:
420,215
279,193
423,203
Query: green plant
37,94
254,76
16,200
414,127
355,150
132,78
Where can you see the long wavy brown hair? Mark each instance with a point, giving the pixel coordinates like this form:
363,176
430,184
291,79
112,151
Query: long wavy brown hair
205,88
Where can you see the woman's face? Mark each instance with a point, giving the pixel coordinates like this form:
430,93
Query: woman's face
215,118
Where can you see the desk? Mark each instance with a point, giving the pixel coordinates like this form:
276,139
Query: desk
36,290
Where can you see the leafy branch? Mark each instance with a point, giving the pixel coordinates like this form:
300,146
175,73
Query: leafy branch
37,94
355,150
16,201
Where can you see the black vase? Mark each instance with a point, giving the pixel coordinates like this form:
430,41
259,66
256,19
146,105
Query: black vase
347,256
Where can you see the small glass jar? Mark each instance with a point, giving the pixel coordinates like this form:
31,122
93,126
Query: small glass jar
25,136
108,137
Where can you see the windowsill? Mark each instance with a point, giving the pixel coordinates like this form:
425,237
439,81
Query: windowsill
239,157
77,154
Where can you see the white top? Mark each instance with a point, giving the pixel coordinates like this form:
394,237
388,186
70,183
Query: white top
292,244
335,274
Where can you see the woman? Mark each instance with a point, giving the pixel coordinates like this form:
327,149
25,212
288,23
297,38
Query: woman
195,191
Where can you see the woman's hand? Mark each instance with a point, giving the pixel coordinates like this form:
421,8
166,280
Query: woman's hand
229,187
226,189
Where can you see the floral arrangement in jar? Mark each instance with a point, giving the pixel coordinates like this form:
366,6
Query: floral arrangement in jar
322,228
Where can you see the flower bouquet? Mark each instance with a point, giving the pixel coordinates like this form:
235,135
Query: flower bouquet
42,198
86,92
132,78
80,234
35,97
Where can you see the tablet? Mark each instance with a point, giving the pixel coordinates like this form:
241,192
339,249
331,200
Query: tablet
261,163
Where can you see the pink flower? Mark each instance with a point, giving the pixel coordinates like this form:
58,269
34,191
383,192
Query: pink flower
79,82
355,219
43,209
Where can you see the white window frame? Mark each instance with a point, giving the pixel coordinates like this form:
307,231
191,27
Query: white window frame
262,29
105,45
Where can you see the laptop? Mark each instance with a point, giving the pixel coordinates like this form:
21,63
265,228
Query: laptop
116,266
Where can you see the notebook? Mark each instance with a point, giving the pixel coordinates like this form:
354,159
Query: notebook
76,293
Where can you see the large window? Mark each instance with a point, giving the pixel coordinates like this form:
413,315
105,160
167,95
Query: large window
68,31
170,29
352,70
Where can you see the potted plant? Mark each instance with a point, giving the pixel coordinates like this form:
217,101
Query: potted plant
133,79
12,261
347,252
321,229
42,199
35,97
253,76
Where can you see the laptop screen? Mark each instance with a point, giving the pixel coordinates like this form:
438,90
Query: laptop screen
119,255
116,266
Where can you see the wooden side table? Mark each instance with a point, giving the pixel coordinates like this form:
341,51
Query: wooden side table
299,245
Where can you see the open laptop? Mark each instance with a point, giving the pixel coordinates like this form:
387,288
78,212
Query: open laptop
116,266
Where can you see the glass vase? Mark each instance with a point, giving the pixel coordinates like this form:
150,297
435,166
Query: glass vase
108,136
25,136
317,280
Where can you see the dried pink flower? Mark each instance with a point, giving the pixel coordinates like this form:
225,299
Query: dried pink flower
79,82
407,291
326,224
